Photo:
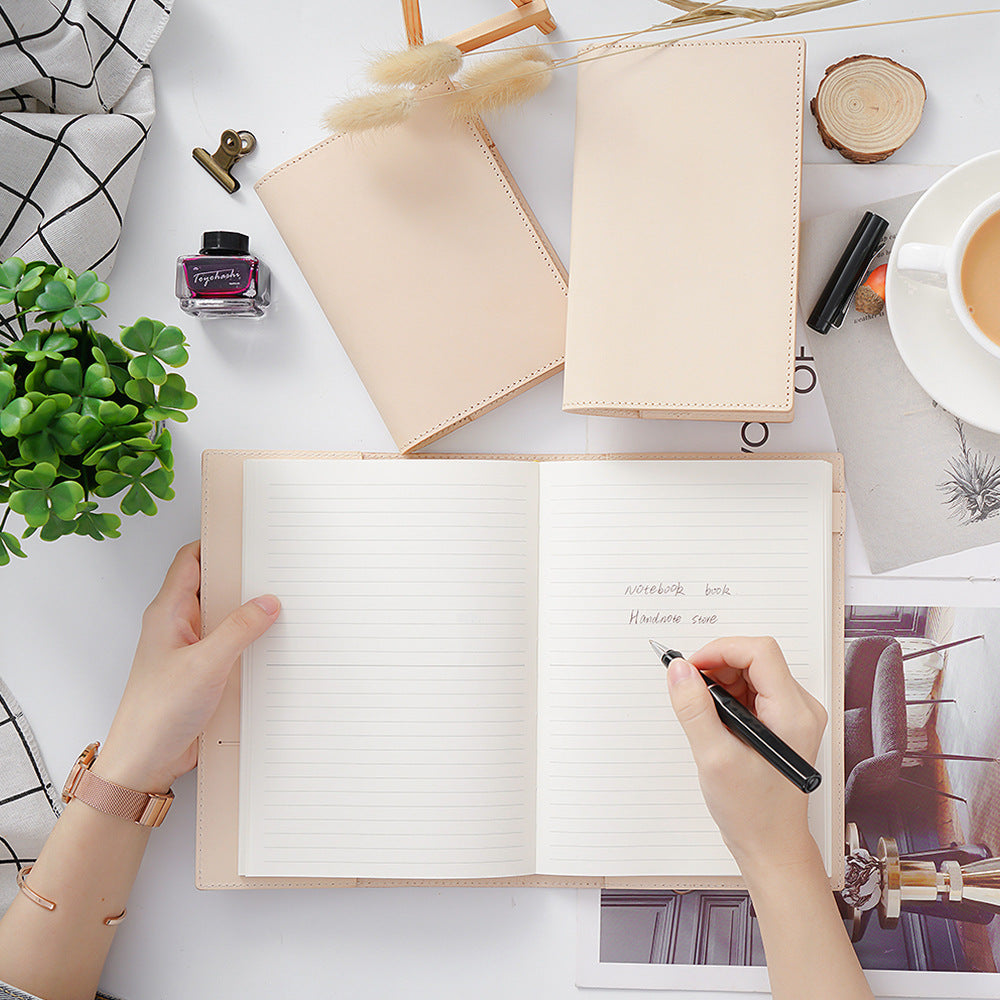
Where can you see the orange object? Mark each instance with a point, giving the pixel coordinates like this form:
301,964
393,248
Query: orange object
870,297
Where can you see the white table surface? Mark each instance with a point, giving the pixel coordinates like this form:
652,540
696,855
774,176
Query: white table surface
71,611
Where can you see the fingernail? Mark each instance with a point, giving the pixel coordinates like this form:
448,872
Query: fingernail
268,603
678,671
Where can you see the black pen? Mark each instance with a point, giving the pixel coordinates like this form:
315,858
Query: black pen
741,721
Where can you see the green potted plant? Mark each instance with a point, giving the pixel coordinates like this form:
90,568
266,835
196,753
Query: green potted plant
82,416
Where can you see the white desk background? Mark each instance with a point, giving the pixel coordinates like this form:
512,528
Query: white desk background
71,610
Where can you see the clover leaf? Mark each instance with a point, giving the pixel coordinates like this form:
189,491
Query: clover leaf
112,415
156,345
35,379
6,385
41,497
90,289
123,436
42,434
169,404
17,278
142,485
28,293
9,545
54,527
12,415
96,526
57,296
70,300
164,444
36,345
87,389
77,433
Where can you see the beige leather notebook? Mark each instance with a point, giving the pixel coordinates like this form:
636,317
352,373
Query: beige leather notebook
430,267
685,232
460,691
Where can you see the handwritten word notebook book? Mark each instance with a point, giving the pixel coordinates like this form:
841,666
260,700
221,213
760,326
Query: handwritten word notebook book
460,684
431,268
685,231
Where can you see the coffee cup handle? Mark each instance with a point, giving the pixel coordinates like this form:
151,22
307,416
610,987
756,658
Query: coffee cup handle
925,262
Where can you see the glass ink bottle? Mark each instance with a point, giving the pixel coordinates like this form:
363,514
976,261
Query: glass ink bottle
224,279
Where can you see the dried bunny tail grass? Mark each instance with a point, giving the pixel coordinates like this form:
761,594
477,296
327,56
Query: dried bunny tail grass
418,65
501,82
379,110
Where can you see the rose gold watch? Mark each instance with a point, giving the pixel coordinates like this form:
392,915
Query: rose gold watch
144,808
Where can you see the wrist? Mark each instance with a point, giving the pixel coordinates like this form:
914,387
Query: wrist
797,859
130,770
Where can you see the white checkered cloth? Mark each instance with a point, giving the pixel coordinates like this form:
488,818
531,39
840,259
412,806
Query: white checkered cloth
76,104
29,804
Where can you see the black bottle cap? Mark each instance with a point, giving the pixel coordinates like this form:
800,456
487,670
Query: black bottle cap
218,241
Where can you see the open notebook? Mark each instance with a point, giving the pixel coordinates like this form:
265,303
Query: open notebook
460,685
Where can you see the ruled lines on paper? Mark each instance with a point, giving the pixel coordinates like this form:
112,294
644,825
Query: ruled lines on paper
681,552
390,711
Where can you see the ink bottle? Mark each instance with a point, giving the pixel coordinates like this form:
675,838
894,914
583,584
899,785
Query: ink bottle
224,279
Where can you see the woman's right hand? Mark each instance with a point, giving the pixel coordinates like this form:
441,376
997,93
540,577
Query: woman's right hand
761,814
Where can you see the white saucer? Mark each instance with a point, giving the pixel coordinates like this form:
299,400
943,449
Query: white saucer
949,365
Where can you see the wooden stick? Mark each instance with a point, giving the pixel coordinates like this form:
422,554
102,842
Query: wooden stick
545,26
411,18
530,13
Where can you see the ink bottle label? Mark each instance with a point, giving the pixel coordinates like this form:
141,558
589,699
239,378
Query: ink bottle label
215,276
225,279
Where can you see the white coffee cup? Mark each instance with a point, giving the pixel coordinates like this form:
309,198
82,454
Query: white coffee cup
942,265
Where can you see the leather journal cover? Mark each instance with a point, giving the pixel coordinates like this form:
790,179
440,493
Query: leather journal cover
685,231
218,766
432,270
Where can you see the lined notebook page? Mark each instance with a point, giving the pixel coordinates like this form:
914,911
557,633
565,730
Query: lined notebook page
681,552
388,718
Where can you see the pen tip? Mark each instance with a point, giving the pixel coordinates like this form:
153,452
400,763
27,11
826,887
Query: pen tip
657,648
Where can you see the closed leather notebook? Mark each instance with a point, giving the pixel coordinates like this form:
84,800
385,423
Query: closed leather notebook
428,264
685,231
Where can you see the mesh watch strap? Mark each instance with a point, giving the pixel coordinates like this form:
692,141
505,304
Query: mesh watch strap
144,808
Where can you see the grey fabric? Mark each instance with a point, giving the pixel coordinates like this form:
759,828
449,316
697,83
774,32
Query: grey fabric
889,702
76,104
857,737
871,778
29,803
874,696
13,993
860,661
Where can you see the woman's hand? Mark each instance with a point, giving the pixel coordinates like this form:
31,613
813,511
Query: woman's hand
176,680
761,814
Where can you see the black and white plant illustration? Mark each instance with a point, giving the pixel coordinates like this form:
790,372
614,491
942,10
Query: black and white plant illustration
972,483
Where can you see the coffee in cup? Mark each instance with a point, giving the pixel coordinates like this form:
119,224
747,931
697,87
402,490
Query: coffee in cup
979,277
969,268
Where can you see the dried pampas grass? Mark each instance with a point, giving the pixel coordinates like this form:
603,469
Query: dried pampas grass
525,71
501,82
418,65
379,110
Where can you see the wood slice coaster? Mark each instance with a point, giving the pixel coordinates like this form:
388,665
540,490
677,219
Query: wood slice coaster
866,107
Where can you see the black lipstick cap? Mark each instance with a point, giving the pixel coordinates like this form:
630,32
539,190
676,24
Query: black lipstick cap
832,306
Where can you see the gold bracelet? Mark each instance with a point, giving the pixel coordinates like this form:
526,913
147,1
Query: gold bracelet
47,904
